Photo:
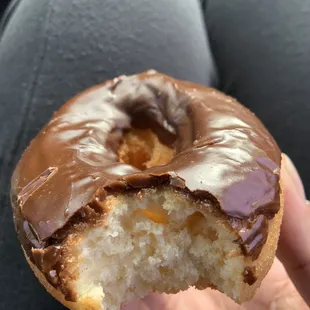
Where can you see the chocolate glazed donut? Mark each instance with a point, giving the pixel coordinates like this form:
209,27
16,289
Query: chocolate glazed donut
148,150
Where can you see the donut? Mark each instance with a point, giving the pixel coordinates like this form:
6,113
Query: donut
146,183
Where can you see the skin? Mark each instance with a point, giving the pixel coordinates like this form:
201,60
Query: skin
287,285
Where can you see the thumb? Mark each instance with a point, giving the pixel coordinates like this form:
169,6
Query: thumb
294,242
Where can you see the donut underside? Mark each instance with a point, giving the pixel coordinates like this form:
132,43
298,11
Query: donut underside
156,240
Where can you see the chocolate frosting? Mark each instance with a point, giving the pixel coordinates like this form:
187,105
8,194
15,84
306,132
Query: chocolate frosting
223,155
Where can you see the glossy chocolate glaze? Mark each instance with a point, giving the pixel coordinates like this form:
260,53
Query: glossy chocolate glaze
223,155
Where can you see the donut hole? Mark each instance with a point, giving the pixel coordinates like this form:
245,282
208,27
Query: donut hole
158,240
142,149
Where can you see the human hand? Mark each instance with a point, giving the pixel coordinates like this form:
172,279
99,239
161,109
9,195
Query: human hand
287,285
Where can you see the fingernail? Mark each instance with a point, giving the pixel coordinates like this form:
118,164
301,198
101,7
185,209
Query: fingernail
294,175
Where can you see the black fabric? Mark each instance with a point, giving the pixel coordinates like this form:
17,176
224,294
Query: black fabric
3,6
52,49
6,12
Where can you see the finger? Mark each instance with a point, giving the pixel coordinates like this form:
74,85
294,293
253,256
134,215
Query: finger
294,176
294,242
277,292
